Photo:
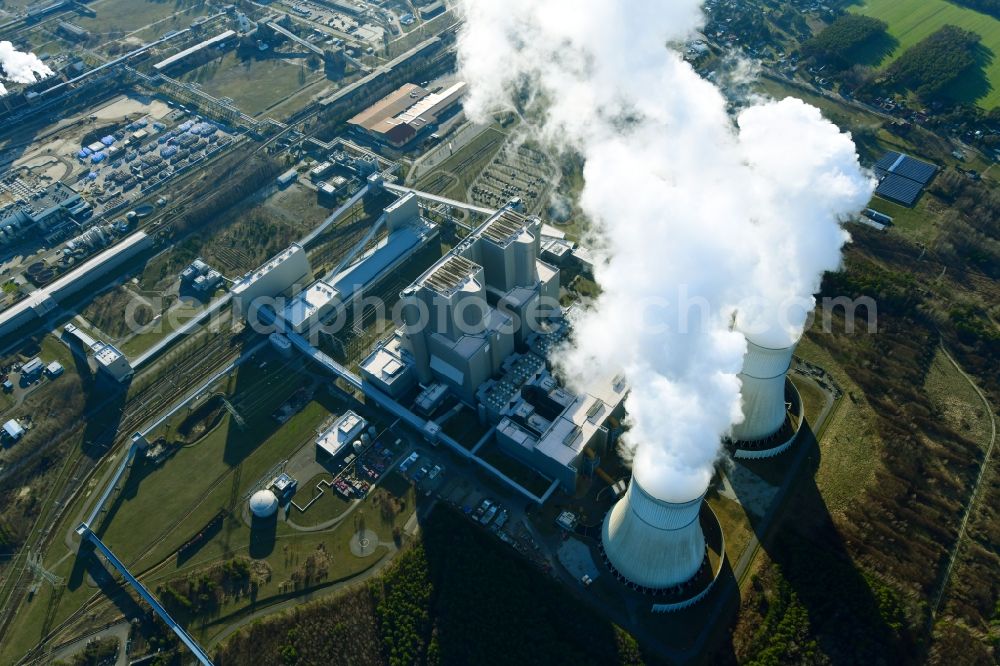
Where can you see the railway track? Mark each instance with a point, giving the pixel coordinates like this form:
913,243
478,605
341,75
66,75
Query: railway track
78,468
99,598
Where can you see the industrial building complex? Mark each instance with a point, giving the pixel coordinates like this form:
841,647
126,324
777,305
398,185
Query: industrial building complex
296,302
404,114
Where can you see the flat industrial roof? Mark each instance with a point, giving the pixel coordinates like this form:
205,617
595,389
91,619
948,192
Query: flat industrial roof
391,105
39,297
267,267
336,437
383,364
180,55
368,268
309,302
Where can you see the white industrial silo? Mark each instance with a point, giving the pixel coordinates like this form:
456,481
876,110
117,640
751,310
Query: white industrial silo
651,542
263,504
763,391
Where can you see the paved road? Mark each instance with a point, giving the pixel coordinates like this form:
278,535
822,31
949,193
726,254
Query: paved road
429,161
119,630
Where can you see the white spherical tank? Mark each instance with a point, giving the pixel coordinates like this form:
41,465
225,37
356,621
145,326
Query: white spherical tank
263,504
651,542
763,391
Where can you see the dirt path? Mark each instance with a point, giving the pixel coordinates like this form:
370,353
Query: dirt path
953,555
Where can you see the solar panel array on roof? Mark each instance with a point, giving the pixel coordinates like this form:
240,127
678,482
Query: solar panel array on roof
899,189
914,169
887,160
905,166
903,178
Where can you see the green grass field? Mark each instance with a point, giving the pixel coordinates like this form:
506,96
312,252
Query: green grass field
129,15
912,20
255,85
850,447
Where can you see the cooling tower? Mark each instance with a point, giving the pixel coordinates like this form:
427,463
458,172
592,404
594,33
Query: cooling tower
763,379
651,542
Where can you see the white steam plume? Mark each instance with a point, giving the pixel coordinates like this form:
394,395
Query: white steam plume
20,67
699,217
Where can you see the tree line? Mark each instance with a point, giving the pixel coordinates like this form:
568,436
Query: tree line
458,596
839,42
930,66
991,7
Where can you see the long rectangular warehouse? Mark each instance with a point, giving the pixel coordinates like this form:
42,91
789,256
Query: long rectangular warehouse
42,301
181,55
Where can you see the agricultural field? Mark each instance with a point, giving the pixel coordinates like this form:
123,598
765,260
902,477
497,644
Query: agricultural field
254,84
910,21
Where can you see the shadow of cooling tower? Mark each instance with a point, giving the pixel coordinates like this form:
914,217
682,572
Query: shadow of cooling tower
844,613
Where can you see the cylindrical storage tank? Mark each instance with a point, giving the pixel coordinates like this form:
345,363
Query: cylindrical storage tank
525,271
763,391
651,542
263,504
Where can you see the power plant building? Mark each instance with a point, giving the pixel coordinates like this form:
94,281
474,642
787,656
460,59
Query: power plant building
108,358
45,211
218,41
281,275
263,504
310,306
479,324
41,302
551,429
390,368
464,316
337,438
113,363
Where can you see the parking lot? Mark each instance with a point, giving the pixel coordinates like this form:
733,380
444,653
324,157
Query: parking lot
516,171
485,505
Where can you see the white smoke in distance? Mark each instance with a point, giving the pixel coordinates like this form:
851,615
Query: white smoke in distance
20,67
700,215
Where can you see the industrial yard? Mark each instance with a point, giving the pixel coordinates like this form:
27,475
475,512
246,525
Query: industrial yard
290,348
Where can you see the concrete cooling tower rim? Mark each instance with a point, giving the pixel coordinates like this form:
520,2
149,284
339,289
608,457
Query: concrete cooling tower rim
646,511
762,449
648,528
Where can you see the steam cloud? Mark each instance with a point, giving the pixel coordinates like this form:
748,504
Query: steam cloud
20,67
698,217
